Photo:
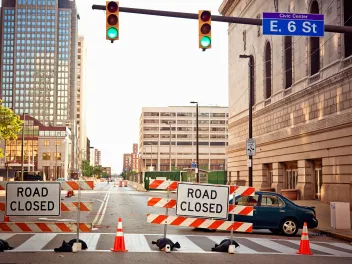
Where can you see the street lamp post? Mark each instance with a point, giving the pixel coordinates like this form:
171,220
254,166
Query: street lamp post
22,149
170,147
250,121
151,154
197,145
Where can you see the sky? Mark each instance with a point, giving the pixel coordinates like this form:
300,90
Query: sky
156,62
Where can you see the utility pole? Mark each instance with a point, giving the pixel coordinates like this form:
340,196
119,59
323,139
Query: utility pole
250,110
170,147
22,150
151,154
56,156
197,145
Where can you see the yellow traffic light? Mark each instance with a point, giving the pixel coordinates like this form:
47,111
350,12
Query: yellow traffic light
204,18
112,20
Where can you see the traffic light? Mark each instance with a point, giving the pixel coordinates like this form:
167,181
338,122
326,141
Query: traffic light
112,20
204,18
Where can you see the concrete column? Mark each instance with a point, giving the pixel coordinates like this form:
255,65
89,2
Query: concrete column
278,176
305,180
259,176
337,174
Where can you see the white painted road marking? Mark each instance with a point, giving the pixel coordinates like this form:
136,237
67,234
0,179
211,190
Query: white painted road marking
139,243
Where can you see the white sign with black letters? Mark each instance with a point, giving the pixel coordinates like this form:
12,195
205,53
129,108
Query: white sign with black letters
202,200
33,199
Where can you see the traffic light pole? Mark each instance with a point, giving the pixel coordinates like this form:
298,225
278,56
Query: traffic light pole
226,19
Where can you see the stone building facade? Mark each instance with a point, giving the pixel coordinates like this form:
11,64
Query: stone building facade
302,103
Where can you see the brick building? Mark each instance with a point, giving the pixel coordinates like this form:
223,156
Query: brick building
302,110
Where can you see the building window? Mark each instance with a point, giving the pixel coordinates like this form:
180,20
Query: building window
347,6
57,142
46,156
46,142
314,45
267,70
288,62
57,156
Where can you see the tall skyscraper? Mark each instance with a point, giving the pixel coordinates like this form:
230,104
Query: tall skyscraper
81,103
39,61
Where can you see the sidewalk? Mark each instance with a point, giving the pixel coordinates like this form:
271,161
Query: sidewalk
323,215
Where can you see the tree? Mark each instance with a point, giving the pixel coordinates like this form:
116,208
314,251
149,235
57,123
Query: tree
98,170
87,170
10,125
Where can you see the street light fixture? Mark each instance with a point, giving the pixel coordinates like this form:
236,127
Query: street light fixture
250,121
197,146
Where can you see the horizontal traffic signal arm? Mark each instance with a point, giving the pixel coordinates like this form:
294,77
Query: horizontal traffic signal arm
226,19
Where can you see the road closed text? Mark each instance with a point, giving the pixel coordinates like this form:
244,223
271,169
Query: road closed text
32,205
201,200
33,199
206,206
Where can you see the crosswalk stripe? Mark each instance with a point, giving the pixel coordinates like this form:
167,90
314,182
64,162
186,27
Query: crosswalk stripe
90,239
186,244
342,245
6,236
38,241
137,243
273,245
240,249
325,249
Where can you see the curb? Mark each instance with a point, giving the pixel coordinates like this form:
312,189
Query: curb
333,234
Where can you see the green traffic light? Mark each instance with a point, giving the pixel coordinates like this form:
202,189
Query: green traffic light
205,41
112,33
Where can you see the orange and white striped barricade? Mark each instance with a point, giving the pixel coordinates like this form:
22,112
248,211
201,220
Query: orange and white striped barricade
195,222
64,207
43,227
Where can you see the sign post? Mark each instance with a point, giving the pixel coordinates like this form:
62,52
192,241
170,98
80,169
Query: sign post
292,24
33,199
167,209
232,247
78,246
202,200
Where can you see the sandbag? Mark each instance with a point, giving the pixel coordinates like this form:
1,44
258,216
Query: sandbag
224,245
4,245
163,242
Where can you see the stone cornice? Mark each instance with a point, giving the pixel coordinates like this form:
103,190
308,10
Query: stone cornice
315,88
227,7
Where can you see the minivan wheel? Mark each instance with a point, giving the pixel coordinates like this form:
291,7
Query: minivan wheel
289,227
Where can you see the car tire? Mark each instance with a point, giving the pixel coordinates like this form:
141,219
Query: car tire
275,231
289,227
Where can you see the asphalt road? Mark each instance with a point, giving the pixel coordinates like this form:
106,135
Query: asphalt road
111,202
162,258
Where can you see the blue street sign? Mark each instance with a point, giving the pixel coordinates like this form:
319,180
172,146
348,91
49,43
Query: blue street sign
292,24
194,165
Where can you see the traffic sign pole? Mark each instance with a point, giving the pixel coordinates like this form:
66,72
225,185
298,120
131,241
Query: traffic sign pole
167,209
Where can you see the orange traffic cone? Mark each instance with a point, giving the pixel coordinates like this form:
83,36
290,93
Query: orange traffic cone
304,247
6,218
119,245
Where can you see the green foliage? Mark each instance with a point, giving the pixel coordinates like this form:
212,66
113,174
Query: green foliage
10,125
98,170
87,170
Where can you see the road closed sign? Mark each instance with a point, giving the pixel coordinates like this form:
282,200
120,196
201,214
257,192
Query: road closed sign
202,200
33,199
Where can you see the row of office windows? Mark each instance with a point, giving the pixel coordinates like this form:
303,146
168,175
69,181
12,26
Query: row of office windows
205,129
201,122
201,136
185,143
183,114
37,2
47,156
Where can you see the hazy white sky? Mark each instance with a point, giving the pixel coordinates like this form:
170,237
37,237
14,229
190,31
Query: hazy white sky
156,62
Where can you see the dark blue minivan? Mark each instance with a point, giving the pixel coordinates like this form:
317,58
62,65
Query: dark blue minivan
274,212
